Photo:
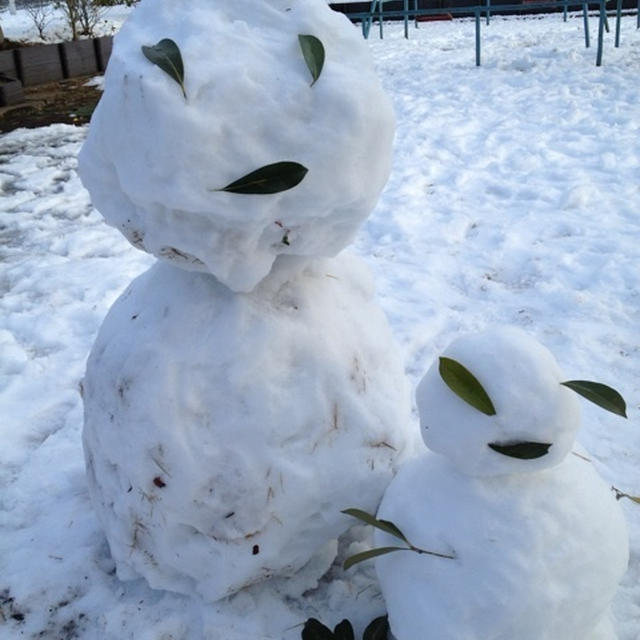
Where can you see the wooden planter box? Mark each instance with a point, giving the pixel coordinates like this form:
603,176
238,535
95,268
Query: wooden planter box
103,48
78,58
8,64
10,91
39,65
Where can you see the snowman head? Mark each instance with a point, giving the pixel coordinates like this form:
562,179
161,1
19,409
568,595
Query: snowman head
528,420
201,96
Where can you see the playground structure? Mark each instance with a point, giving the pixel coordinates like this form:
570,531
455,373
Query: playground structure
412,10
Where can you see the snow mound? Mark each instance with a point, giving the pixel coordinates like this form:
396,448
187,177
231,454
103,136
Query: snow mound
538,556
155,160
523,380
225,432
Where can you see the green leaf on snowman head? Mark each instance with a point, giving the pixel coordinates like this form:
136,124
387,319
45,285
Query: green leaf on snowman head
464,384
313,52
166,55
272,178
522,450
600,394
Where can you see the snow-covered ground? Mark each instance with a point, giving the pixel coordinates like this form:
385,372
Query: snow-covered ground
20,26
514,198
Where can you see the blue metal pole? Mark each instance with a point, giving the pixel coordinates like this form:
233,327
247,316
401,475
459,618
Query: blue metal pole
477,12
618,18
603,17
564,13
406,19
489,10
380,10
585,17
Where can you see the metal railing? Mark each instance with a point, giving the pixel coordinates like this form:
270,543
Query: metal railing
412,12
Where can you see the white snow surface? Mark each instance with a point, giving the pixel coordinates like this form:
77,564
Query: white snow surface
249,103
523,382
225,432
513,199
21,27
538,556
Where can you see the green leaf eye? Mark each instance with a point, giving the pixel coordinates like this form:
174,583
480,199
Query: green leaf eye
313,52
522,450
464,384
166,55
600,394
272,178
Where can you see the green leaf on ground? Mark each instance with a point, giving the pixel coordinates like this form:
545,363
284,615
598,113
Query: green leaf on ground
378,629
344,631
315,630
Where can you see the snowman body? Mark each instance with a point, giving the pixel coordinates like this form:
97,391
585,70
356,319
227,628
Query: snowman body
539,548
246,388
224,432
537,558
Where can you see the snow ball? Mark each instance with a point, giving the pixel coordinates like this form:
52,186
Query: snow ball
537,556
225,432
154,161
523,380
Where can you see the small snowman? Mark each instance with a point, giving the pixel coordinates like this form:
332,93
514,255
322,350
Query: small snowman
534,541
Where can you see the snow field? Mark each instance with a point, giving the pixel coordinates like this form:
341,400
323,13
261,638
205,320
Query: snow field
513,199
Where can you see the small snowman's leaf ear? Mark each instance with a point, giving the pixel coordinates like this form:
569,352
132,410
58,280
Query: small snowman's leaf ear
383,525
370,553
464,384
600,394
522,450
313,52
378,629
315,630
166,55
344,631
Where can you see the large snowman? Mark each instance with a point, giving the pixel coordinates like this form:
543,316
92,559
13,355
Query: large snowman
537,541
247,387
